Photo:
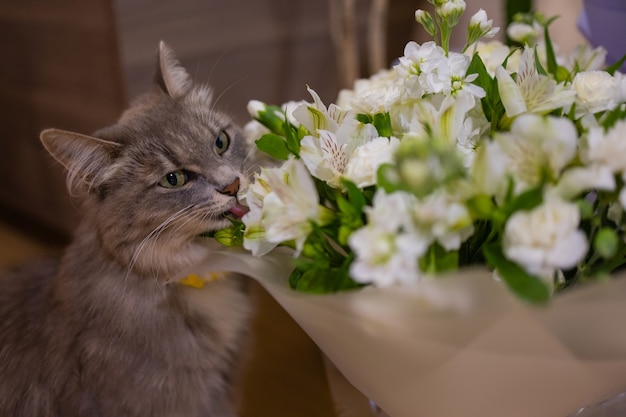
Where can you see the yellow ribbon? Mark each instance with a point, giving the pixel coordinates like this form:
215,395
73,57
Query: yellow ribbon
198,281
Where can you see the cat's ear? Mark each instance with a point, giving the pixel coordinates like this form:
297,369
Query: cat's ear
88,160
170,76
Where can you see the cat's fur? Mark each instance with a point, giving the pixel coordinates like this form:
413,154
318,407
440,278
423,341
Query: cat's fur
103,332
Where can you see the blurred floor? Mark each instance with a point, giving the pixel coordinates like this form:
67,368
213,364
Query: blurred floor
285,374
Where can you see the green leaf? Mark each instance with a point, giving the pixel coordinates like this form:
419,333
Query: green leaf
606,242
527,200
356,196
550,55
292,139
477,66
384,180
274,145
364,118
346,207
526,286
382,122
438,260
491,103
616,66
562,74
270,119
540,69
613,116
480,206
317,280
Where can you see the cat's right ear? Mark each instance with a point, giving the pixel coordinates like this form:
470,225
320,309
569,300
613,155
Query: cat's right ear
170,76
88,160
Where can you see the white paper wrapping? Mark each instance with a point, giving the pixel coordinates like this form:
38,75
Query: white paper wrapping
460,345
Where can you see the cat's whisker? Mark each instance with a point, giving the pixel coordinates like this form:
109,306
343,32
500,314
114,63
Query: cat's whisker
231,86
153,236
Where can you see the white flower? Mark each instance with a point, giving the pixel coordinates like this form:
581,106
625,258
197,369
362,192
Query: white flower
536,150
585,58
372,95
531,91
316,116
283,202
383,259
387,249
546,239
597,91
578,180
327,156
494,53
607,148
417,67
363,165
451,77
440,218
451,119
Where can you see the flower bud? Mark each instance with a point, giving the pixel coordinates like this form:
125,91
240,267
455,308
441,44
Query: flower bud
480,27
450,12
255,107
230,236
426,20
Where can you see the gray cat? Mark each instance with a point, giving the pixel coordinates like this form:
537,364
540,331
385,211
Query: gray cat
105,331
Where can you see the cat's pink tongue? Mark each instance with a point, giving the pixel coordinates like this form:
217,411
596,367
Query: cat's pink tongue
239,210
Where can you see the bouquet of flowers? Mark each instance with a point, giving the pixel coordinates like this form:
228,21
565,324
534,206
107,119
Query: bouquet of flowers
436,205
507,157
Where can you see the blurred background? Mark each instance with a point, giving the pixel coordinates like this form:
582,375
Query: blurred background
74,65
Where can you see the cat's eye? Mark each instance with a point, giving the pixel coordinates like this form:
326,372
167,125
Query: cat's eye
222,142
174,179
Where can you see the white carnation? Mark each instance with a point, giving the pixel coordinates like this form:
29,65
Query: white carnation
546,239
597,91
366,159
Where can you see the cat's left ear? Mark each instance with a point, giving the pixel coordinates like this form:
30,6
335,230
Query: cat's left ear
88,160
170,76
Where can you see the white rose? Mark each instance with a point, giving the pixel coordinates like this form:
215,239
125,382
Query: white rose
545,239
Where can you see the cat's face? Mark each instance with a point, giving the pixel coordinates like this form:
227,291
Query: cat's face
169,170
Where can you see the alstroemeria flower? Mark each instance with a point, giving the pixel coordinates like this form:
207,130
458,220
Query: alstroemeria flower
317,117
586,58
530,91
493,55
546,239
283,202
328,155
536,149
606,149
451,119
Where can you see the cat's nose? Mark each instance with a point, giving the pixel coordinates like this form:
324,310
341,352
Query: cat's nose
230,189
